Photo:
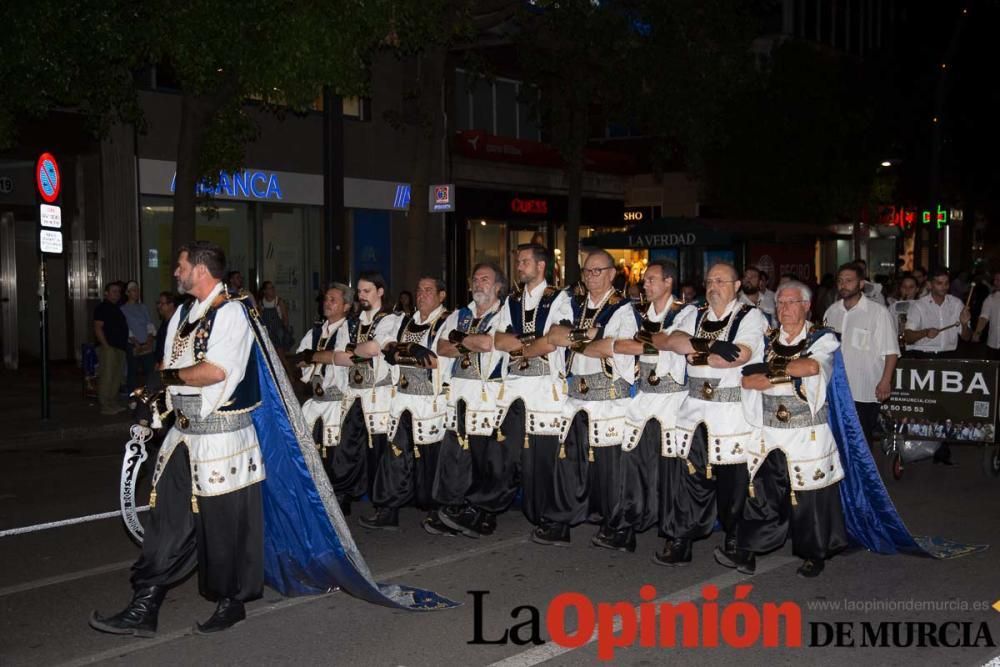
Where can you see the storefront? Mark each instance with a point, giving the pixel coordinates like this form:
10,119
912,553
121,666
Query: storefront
488,225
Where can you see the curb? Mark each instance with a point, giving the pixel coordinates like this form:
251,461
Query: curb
18,440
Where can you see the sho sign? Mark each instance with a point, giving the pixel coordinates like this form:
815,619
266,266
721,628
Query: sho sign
952,399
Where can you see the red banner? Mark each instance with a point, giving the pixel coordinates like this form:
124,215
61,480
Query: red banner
480,145
775,259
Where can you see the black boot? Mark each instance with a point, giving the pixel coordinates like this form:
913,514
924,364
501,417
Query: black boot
433,525
676,552
488,525
138,618
616,540
386,518
551,534
228,613
729,555
811,567
467,520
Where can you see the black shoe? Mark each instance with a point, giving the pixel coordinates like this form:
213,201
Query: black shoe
616,540
488,525
811,567
229,613
466,520
385,518
432,524
748,564
553,534
676,553
138,618
738,559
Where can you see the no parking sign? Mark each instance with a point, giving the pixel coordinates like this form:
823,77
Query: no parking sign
47,178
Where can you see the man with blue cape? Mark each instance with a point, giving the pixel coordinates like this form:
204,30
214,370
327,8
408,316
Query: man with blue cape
239,490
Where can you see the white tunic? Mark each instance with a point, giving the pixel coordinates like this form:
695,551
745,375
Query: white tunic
606,419
374,402
662,407
729,433
991,312
334,379
543,395
925,313
868,335
220,462
811,451
426,412
482,413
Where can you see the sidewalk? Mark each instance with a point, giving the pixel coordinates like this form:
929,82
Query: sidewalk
72,417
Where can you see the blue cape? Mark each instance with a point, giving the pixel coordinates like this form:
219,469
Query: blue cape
307,546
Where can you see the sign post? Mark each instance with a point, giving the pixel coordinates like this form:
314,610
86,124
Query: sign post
50,242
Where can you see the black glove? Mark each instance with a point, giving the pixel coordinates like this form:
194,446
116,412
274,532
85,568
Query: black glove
422,355
455,336
303,357
726,350
755,369
390,353
171,377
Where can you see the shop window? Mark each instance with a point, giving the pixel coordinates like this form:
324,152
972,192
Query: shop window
357,108
504,107
482,106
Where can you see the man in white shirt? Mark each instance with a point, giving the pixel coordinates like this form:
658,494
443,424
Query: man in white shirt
599,381
533,398
358,348
327,381
990,316
936,322
753,291
868,343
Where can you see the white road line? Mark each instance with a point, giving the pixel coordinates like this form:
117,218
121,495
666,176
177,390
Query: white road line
546,652
66,522
63,578
286,603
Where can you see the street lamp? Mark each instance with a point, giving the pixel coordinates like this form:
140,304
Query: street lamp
886,163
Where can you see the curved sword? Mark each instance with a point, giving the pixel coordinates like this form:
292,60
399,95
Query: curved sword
135,454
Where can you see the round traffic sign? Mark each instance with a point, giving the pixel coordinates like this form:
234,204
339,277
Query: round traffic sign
47,177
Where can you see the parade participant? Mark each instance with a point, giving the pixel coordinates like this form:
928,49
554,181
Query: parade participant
712,435
869,345
235,415
417,412
599,383
326,380
753,291
795,471
899,306
989,316
531,409
652,413
369,391
476,470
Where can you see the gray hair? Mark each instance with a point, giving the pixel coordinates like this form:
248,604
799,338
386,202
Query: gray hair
344,290
800,286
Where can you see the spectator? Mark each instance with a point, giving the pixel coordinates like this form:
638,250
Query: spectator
989,316
166,304
868,341
900,303
753,291
689,294
141,337
872,290
404,304
274,315
920,275
111,332
237,287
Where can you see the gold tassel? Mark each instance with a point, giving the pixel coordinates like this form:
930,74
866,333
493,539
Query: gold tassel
483,395
434,404
812,435
751,491
500,436
373,395
500,395
152,499
464,441
416,451
795,501
527,442
555,394
691,468
708,471
393,392
323,449
396,451
565,386
590,455
194,504
562,450
370,445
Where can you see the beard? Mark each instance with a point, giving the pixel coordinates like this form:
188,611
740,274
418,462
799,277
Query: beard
848,294
749,290
365,305
183,287
481,298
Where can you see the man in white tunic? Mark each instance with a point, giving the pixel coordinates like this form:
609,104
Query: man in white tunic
363,441
206,500
651,417
795,467
712,435
533,398
326,380
599,384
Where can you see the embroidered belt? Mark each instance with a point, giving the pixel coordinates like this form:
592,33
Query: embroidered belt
414,382
468,373
708,389
187,409
325,394
651,383
597,387
533,367
791,412
363,377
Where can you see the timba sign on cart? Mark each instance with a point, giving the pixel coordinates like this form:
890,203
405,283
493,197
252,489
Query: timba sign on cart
946,399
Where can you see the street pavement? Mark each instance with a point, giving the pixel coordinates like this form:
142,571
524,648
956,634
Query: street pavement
50,581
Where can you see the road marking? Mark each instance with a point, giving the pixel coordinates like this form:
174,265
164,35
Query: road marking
546,652
66,522
286,603
63,578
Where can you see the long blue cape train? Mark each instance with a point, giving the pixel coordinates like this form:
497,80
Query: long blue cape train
308,548
870,517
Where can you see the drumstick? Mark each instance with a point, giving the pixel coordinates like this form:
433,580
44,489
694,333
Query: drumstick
968,299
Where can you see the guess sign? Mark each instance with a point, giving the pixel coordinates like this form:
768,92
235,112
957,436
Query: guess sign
530,206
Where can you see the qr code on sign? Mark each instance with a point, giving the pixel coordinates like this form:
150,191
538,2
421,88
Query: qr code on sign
981,409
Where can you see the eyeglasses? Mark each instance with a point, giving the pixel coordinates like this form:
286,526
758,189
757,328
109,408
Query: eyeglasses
789,302
593,273
712,282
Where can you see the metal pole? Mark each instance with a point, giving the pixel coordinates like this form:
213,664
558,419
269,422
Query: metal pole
43,326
